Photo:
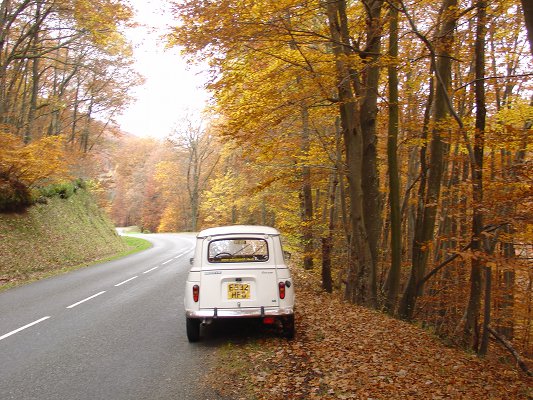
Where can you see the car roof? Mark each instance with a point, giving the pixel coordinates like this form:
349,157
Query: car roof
237,230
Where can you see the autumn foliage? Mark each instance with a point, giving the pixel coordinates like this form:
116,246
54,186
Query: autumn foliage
390,141
363,354
25,167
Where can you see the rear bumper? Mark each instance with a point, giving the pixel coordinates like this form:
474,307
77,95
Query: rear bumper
240,313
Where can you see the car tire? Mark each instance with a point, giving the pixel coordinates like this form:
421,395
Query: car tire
288,327
193,329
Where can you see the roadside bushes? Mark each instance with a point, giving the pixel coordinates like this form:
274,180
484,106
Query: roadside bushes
24,168
14,195
62,190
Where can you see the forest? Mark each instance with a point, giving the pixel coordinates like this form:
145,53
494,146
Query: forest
390,141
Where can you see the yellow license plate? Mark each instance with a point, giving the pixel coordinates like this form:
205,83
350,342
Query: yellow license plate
238,291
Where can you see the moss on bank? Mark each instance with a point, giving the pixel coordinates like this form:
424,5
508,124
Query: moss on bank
53,237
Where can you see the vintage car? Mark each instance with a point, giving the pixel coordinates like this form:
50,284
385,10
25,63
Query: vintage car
239,272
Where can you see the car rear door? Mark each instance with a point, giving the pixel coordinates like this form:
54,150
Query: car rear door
238,272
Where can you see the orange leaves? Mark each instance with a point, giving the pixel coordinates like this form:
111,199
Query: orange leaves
32,164
343,351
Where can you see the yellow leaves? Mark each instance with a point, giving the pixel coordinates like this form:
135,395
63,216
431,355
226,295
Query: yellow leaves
101,18
509,126
165,176
225,193
32,164
170,219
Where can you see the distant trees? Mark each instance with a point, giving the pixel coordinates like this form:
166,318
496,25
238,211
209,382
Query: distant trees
64,71
199,148
160,185
62,64
416,203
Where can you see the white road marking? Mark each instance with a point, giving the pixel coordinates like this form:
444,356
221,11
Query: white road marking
23,327
182,254
84,300
150,270
127,280
166,262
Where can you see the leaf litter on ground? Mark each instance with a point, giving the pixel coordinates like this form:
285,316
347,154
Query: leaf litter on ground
343,351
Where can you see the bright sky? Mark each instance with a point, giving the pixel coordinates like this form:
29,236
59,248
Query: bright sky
172,89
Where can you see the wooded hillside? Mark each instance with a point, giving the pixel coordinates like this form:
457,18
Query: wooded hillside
390,141
68,230
64,75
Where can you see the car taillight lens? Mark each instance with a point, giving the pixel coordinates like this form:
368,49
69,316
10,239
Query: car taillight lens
196,293
281,286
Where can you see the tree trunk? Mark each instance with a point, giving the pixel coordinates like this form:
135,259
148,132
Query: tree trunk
327,241
486,319
393,278
370,175
474,301
407,303
307,196
361,280
527,8
35,75
438,149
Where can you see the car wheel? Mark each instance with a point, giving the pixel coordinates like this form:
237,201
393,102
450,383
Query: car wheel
288,327
193,329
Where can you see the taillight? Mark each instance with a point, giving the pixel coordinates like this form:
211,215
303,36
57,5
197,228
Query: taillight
195,293
281,287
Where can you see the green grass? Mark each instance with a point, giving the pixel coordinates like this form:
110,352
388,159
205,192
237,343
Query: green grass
61,236
134,245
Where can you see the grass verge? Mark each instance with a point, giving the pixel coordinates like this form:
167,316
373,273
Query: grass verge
60,235
132,245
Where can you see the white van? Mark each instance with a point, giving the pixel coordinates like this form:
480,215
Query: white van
239,272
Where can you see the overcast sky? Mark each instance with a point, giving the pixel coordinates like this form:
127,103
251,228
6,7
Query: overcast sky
172,88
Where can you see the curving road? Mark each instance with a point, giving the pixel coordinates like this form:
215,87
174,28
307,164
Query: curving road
110,331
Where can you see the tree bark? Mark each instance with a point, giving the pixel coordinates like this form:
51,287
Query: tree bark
393,278
327,241
361,279
527,8
307,196
408,300
438,149
474,302
370,176
35,75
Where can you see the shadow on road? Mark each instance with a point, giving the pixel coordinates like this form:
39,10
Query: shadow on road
236,331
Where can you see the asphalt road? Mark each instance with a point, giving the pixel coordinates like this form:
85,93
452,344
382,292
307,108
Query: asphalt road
110,331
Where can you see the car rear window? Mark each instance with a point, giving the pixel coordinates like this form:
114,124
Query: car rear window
238,250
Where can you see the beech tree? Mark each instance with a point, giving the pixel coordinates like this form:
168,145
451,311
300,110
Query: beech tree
311,129
46,44
195,140
64,73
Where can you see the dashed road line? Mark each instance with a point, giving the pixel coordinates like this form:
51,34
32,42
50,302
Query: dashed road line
127,280
150,270
182,254
88,298
23,327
